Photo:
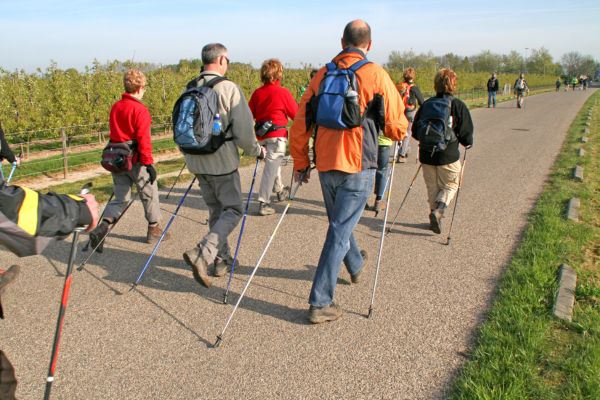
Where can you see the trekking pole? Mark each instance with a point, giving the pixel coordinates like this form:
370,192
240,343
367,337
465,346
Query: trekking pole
87,245
385,216
176,179
389,230
110,228
460,181
12,171
63,306
237,247
139,278
290,199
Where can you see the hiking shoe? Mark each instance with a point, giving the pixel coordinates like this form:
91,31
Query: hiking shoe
402,159
356,277
97,235
220,267
283,194
318,315
154,233
7,277
265,209
435,221
194,259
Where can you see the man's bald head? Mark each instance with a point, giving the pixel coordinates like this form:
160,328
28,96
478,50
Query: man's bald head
357,33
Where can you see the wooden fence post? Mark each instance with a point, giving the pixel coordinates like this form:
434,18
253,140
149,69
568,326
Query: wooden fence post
63,135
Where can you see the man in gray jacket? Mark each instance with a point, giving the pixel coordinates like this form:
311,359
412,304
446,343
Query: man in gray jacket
217,173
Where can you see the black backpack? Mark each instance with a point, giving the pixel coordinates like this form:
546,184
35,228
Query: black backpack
193,117
433,129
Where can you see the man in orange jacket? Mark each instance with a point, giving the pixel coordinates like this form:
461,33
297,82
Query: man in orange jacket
346,160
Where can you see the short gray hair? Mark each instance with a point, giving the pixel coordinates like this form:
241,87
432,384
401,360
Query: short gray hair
212,51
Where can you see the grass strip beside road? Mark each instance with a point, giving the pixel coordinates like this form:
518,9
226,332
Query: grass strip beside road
522,351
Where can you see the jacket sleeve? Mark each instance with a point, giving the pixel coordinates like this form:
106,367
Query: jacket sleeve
240,119
418,95
144,141
300,133
5,152
396,123
464,123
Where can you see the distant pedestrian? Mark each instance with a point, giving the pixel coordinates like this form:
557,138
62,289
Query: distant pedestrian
272,106
521,88
130,123
441,167
346,155
412,98
558,83
492,88
217,173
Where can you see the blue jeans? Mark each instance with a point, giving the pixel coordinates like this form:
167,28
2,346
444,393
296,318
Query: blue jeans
492,98
345,196
383,158
405,146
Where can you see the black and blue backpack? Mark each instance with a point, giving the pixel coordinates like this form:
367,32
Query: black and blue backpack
434,129
337,105
193,116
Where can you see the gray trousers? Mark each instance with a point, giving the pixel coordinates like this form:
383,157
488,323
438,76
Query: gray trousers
223,197
271,178
122,189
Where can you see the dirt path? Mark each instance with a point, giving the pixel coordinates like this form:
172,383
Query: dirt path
156,342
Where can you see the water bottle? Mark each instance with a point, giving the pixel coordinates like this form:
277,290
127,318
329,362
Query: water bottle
352,96
217,125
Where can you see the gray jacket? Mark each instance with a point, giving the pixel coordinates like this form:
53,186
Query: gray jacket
234,111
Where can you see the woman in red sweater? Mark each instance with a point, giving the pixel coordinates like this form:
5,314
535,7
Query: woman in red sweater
272,106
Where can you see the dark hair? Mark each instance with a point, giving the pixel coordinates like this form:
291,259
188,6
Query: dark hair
212,51
357,34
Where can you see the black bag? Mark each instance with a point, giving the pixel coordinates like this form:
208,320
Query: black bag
433,129
117,157
264,127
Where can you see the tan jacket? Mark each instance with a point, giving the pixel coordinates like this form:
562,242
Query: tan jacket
234,111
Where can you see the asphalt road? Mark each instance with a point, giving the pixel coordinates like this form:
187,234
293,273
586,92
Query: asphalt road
156,342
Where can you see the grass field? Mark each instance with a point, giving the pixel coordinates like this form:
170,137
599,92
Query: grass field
522,351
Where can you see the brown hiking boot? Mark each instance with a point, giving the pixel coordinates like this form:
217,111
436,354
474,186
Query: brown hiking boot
221,267
283,194
265,209
154,233
97,237
194,259
318,315
356,277
7,277
435,218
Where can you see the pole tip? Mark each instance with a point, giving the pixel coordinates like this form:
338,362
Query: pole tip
218,342
132,287
448,241
370,314
225,298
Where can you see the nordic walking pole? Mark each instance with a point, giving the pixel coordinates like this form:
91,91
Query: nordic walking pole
12,171
87,245
460,181
63,306
237,247
139,278
110,228
387,209
176,179
389,230
292,195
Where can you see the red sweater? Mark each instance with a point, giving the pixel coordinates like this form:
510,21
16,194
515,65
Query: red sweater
130,120
275,103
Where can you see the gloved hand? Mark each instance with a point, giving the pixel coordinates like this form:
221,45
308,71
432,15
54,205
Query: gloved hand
263,153
151,172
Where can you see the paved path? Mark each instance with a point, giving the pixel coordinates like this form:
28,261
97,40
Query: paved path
155,343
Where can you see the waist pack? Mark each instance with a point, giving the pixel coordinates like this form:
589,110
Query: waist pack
193,116
338,105
433,129
118,157
264,127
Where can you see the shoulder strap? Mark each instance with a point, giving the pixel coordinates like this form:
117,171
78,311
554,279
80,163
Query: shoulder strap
213,82
354,67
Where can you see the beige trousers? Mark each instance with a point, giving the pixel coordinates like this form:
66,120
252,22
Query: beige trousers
271,178
442,182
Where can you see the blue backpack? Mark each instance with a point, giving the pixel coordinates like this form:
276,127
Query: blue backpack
337,101
434,129
193,116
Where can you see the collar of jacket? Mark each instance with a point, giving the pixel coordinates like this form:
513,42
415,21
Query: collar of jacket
209,73
274,83
349,56
128,96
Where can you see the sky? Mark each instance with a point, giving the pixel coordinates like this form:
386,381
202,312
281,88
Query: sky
74,33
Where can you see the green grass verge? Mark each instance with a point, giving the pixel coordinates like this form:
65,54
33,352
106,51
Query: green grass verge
522,351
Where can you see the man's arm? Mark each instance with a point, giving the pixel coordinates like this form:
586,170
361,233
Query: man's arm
396,123
5,152
239,118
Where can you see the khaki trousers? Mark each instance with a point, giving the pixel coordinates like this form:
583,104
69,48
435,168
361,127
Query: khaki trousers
441,182
271,178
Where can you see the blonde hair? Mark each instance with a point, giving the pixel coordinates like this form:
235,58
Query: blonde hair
271,70
409,74
445,81
133,80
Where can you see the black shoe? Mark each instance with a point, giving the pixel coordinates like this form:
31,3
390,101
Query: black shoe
435,221
283,194
6,278
97,236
